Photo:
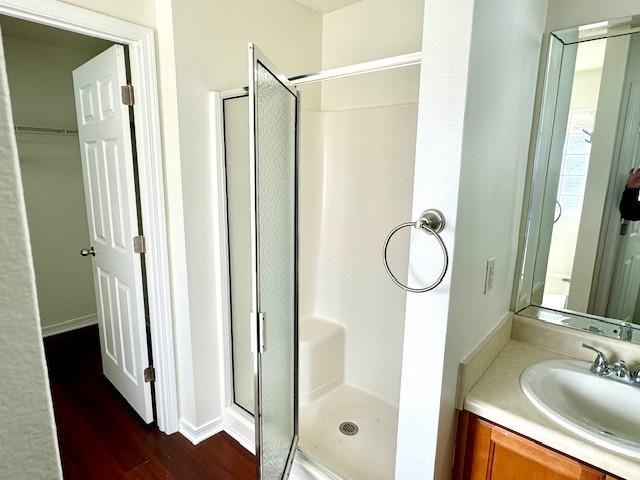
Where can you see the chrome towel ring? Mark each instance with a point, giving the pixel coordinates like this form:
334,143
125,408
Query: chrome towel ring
431,222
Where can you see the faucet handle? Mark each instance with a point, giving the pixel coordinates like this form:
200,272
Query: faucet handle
621,370
600,365
635,376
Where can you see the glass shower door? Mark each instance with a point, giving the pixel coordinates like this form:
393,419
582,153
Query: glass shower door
273,117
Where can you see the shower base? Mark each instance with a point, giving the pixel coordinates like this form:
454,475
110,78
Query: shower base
370,453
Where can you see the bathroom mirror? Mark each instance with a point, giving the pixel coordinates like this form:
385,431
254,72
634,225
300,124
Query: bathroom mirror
580,247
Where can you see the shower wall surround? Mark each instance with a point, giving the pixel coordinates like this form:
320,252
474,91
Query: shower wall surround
350,199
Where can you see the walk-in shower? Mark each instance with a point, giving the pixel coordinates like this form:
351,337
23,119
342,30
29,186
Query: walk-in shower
350,183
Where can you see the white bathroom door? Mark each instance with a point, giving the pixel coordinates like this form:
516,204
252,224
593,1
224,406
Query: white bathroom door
273,117
109,186
626,280
625,287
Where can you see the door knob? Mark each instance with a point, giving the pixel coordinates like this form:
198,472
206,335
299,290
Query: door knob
86,252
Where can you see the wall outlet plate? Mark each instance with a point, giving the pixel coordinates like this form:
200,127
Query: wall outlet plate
490,268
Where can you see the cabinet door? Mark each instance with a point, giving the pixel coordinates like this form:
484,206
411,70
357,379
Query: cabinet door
488,452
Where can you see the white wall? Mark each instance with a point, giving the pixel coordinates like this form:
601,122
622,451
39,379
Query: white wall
572,13
369,30
477,95
27,433
42,95
141,12
586,86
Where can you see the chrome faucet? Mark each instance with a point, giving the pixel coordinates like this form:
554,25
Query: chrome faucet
619,371
600,365
625,332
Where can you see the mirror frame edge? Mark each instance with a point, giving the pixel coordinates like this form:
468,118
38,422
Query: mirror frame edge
596,325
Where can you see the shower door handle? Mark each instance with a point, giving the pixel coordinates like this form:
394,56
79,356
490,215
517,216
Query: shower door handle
257,332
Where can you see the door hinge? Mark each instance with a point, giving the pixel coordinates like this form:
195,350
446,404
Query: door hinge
149,374
139,245
126,92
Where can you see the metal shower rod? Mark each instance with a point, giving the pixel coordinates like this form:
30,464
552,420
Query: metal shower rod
387,63
357,68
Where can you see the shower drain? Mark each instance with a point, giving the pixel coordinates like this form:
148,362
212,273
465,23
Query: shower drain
348,428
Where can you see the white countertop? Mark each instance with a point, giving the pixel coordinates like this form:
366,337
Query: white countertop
498,397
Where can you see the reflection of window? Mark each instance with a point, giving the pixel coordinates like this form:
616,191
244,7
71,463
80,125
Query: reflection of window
575,162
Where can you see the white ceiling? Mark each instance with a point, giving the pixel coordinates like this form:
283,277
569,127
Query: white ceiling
325,6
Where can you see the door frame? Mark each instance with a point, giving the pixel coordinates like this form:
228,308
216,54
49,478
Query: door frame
142,58
236,421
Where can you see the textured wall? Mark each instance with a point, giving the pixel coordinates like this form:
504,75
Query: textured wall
28,449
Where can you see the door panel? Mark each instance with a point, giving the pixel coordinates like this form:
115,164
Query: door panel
273,120
625,287
109,183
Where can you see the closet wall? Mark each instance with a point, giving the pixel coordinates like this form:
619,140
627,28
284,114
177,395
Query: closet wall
39,66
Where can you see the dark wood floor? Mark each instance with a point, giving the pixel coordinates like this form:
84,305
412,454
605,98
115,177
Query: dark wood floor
100,436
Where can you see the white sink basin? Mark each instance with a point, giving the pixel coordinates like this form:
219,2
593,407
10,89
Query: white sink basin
598,409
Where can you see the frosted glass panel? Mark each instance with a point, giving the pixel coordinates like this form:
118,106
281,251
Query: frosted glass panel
236,140
275,124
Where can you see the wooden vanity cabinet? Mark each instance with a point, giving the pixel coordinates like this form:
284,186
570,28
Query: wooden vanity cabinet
485,451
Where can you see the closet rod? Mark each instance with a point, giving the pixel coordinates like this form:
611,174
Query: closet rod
44,130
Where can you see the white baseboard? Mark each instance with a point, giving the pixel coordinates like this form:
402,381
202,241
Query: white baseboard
198,434
239,424
69,325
